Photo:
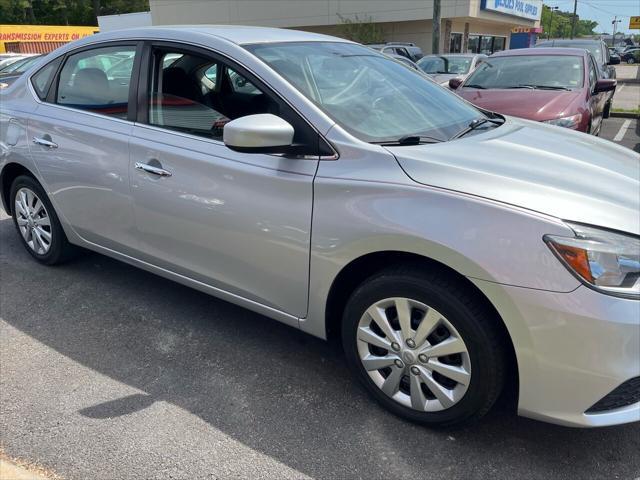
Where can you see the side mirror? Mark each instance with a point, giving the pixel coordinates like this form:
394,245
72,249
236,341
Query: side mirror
262,133
454,83
605,85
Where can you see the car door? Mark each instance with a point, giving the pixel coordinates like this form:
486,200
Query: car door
239,222
80,135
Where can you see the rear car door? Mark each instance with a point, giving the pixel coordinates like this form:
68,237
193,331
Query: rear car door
239,222
80,135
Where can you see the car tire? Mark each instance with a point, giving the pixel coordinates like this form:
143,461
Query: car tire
606,113
631,61
37,223
465,323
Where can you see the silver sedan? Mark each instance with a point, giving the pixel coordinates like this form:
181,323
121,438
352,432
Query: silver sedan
458,254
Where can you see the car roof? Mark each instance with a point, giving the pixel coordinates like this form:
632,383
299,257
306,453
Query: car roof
565,41
240,35
541,51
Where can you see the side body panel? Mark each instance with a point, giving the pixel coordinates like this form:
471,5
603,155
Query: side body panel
239,222
87,175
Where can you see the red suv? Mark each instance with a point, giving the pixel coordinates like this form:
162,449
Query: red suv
560,86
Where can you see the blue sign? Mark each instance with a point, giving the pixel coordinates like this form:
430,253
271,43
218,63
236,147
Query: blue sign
529,9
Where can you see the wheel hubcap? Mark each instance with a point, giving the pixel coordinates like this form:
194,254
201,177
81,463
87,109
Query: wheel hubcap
431,371
33,221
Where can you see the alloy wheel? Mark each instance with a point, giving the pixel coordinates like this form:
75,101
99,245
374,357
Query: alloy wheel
33,221
414,354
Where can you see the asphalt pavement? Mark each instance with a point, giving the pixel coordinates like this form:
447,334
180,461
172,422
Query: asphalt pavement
109,372
623,131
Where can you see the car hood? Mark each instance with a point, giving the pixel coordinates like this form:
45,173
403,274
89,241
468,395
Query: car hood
551,170
531,104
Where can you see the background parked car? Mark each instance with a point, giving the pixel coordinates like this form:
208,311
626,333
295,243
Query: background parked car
551,85
614,57
12,72
600,52
404,49
631,55
442,68
405,61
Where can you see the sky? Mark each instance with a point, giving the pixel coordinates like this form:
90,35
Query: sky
603,12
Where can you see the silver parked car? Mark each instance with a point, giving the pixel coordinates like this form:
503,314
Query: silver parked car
455,252
442,68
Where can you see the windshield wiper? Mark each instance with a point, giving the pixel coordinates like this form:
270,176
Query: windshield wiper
473,85
475,124
540,87
410,140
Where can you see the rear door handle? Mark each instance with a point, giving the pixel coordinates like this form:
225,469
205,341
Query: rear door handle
154,170
45,142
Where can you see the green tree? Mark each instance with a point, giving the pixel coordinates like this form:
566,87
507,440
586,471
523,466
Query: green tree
561,26
361,30
65,12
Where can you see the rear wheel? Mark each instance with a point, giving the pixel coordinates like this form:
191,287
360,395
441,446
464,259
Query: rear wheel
37,223
424,347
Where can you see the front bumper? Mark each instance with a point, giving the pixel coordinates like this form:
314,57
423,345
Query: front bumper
573,350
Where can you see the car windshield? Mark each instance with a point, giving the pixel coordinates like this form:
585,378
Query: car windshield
529,71
23,66
371,96
594,48
457,65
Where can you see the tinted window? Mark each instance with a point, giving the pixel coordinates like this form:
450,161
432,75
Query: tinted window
98,80
199,95
42,79
529,71
370,95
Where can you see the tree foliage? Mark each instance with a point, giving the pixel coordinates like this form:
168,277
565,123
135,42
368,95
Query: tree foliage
561,27
65,12
361,30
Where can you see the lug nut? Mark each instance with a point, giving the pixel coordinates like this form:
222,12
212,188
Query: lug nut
423,358
399,363
411,343
415,370
395,346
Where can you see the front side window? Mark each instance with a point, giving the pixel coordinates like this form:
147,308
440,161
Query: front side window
368,94
561,72
98,80
199,95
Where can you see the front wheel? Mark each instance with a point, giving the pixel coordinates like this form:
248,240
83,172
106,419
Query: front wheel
424,347
631,61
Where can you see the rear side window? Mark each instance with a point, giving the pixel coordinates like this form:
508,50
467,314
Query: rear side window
42,79
98,80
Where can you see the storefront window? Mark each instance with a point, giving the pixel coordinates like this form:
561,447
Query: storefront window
474,44
455,44
486,44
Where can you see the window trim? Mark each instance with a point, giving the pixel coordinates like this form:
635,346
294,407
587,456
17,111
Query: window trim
51,79
143,86
52,93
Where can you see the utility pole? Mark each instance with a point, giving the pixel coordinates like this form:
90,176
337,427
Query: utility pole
553,9
435,38
574,19
615,25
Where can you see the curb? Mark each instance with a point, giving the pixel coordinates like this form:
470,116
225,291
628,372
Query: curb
624,115
628,80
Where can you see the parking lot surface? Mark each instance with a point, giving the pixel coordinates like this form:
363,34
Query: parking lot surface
623,131
111,372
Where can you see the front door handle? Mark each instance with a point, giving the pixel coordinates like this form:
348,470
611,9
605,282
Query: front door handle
45,142
154,170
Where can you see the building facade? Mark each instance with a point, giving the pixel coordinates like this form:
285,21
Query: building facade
39,38
482,26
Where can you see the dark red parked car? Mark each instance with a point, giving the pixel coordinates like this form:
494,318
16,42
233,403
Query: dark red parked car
559,86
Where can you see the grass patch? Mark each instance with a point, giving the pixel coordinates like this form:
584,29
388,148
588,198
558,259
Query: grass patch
627,110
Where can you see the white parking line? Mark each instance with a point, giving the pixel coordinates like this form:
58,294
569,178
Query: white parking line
623,129
620,87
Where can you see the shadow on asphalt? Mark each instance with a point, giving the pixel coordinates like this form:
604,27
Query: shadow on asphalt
271,387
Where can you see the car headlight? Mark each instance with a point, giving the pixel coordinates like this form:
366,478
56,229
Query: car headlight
3,85
568,122
605,261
